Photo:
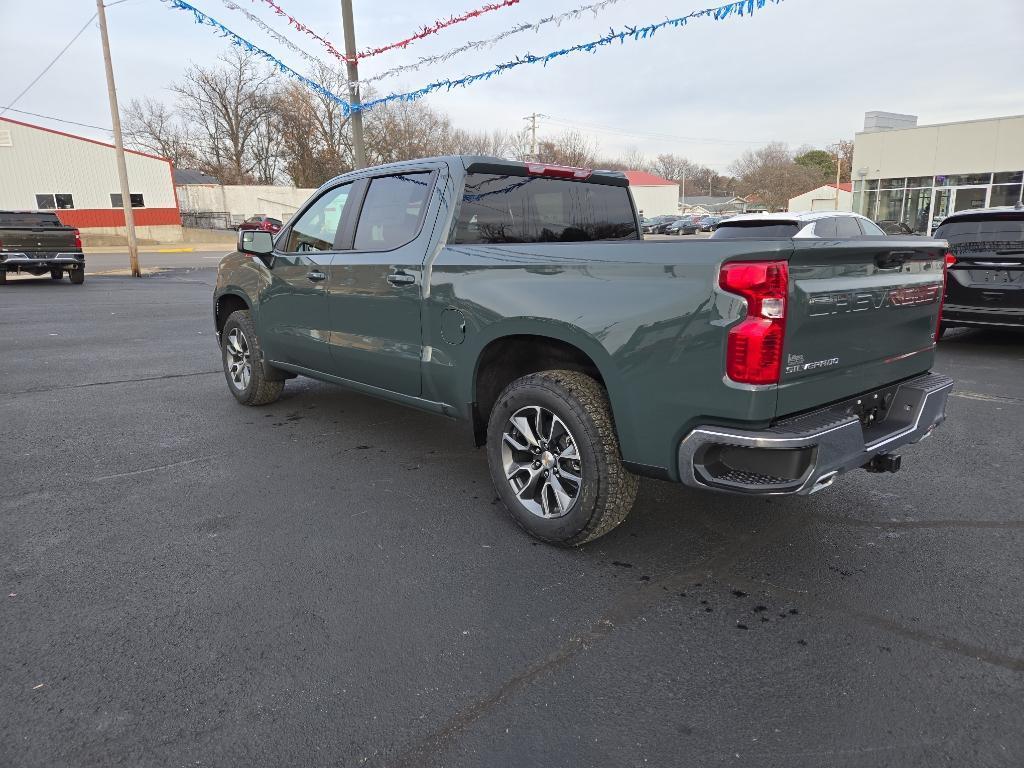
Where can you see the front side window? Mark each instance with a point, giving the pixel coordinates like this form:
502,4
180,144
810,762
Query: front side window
317,228
392,211
531,209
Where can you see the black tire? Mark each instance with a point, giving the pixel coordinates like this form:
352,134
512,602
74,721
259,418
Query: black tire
56,274
77,276
3,277
607,490
263,384
942,331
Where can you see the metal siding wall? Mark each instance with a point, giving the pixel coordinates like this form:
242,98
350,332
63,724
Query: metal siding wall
41,162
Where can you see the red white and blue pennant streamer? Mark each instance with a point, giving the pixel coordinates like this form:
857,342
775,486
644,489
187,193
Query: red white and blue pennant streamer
277,36
555,19
737,8
425,31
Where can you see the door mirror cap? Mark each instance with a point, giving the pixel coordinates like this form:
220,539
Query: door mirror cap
255,242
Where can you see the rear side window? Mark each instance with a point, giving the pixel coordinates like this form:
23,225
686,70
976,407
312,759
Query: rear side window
870,228
532,209
755,230
392,211
29,219
846,226
827,228
984,234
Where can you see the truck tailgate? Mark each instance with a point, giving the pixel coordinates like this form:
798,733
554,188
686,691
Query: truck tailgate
862,314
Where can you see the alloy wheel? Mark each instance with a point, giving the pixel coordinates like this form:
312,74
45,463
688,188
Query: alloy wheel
541,461
238,359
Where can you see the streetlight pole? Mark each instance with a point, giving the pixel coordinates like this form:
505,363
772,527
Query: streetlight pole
122,168
352,68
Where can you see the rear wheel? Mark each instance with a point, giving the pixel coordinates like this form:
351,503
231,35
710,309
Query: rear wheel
3,277
56,274
77,276
554,458
243,362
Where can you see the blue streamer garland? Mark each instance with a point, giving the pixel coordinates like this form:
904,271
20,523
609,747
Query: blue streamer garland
738,8
201,18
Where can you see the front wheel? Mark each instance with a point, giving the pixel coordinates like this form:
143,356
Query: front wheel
243,362
554,458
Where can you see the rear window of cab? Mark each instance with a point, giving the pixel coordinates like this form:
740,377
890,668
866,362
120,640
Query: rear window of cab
28,219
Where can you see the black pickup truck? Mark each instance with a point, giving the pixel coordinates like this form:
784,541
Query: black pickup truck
37,243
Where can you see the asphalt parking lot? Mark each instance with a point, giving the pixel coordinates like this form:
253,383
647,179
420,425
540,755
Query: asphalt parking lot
329,581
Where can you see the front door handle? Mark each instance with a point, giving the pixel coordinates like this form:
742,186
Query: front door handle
316,276
398,277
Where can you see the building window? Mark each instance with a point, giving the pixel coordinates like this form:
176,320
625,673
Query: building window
137,201
1005,194
54,202
1009,177
893,183
963,179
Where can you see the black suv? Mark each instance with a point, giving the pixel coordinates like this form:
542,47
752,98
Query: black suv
985,283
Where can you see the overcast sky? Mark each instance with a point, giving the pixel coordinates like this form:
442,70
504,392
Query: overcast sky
803,72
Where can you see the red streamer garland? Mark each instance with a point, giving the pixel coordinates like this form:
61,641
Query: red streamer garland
427,31
437,26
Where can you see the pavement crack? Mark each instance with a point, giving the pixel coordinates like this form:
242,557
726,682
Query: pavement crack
107,383
151,469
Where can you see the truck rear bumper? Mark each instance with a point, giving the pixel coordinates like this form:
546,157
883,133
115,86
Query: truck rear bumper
13,262
804,454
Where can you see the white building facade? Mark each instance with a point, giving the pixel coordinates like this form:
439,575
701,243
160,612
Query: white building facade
653,195
921,174
44,169
827,197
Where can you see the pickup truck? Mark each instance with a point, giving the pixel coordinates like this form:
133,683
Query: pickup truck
522,299
37,243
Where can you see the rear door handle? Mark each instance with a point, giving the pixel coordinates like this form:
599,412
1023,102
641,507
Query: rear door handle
398,277
316,276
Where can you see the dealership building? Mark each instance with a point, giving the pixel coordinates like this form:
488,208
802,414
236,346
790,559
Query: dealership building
76,177
919,174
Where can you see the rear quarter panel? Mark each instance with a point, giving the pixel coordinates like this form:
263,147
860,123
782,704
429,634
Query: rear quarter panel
649,314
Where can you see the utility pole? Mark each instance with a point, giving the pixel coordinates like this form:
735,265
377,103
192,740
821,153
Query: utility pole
122,168
839,169
358,147
533,133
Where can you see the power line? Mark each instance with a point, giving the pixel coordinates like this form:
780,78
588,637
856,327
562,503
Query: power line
60,119
653,135
48,66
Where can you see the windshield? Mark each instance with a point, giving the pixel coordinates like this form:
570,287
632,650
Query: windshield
530,209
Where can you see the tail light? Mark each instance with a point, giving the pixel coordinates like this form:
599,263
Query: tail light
754,348
558,171
947,262
78,240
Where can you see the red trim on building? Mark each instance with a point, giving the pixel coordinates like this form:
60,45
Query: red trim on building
84,218
81,138
645,179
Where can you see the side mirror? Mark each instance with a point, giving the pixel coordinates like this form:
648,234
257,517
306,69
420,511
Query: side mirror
255,243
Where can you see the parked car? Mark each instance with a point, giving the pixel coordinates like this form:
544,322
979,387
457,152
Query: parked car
708,223
683,226
985,284
37,243
893,227
656,225
571,348
262,223
831,225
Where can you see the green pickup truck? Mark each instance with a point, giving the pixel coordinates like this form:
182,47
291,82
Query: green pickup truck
522,299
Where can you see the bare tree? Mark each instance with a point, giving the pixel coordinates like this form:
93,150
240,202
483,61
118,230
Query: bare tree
154,127
771,174
568,148
844,150
231,106
315,143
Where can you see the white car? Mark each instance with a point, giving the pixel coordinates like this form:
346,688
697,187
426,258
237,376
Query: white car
830,225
